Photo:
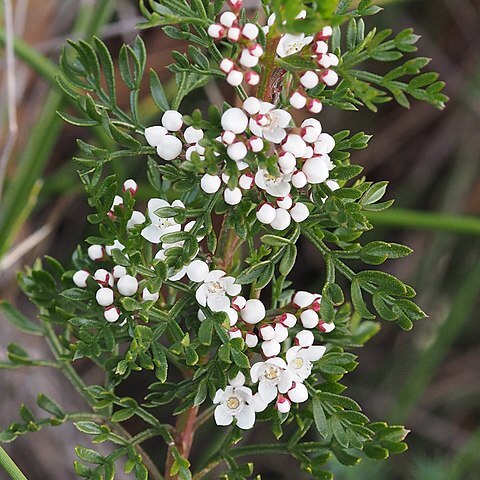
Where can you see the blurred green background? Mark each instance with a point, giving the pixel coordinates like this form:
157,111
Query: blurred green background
427,379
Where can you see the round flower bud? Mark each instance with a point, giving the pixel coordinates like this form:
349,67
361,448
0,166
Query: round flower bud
234,120
324,144
226,65
283,404
232,316
271,348
232,197
233,34
309,79
314,105
255,144
309,318
235,332
103,277
303,299
130,186
266,213
333,59
326,327
169,147
154,134
127,285
95,252
324,34
251,340
287,162
247,59
237,151
172,120
266,332
256,50
197,271
299,179
304,338
111,314
236,5
298,101
147,296
252,78
253,311
295,145
227,19
104,296
252,105
288,319
239,302
228,137
281,332
315,170
310,134
210,183
246,181
320,47
329,78
216,31
192,135
285,202
298,393
299,212
314,123
80,278
119,271
250,31
282,219
137,218
323,61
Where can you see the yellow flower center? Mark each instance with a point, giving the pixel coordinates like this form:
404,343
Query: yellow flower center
298,363
233,403
271,373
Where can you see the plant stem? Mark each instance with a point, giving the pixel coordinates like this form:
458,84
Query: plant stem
10,467
265,89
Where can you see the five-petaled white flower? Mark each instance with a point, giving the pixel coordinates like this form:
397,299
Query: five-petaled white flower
299,361
290,44
272,376
215,289
270,123
278,186
160,226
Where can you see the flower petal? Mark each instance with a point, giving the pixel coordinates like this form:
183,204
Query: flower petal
222,416
245,417
267,390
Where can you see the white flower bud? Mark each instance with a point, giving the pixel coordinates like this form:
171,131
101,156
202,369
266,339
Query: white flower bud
80,278
298,101
288,319
172,120
283,404
281,332
315,170
298,394
309,318
197,271
252,105
285,202
256,50
192,135
148,296
255,144
131,186
239,302
253,311
117,201
95,252
246,181
235,332
111,314
248,60
326,327
119,271
325,33
299,179
266,332
154,134
310,134
329,78
137,218
314,105
251,340
234,120
295,145
303,299
216,31
333,59
250,31
320,47
237,151
266,213
287,162
252,78
271,348
233,34
304,338
309,79
299,212
323,60
104,296
226,65
103,277
127,285
227,19
210,183
232,316
232,197
324,144
169,147
228,137
282,219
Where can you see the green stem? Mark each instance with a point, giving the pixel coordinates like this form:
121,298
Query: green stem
10,467
397,217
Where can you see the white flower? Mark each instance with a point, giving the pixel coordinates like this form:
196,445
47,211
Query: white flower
169,147
118,271
237,151
285,202
253,311
95,252
255,144
246,181
252,105
271,348
235,78
277,186
287,162
193,135
131,186
329,77
309,79
210,183
298,100
290,44
309,318
270,123
326,327
137,218
299,361
154,134
283,404
215,289
80,278
324,144
104,296
272,376
234,120
216,31
251,340
314,105
247,59
160,226
232,197
172,120
295,145
299,179
304,338
111,314
250,31
227,65
234,33
103,277
116,245
228,19
127,285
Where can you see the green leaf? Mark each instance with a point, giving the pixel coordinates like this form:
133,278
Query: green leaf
89,455
252,273
288,260
90,428
375,253
158,94
205,332
275,240
357,299
123,414
18,320
320,418
50,406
